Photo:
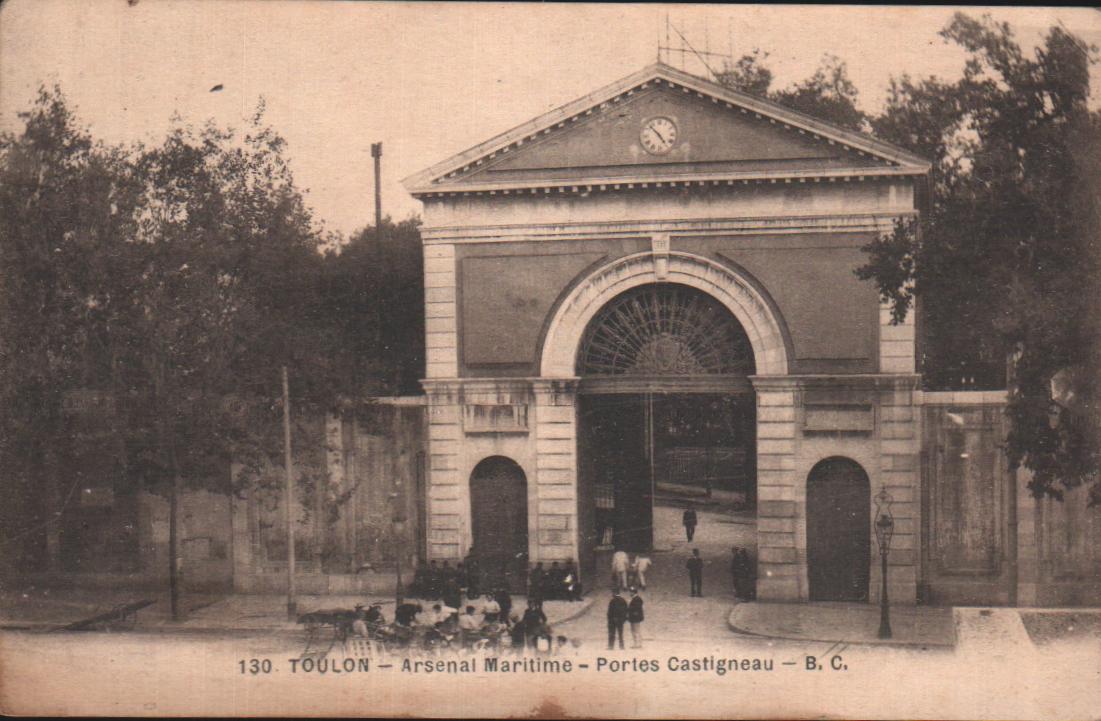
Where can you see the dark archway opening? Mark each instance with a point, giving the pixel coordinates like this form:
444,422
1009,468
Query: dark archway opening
499,513
666,418
838,531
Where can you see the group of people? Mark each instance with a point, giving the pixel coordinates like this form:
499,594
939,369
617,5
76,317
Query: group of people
433,581
621,612
487,618
629,571
556,583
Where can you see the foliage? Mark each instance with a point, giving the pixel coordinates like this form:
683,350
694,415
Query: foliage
177,280
828,94
1004,260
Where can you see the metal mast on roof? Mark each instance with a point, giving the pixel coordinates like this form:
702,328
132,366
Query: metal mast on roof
687,48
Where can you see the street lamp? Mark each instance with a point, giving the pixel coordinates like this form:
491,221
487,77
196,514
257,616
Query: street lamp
884,530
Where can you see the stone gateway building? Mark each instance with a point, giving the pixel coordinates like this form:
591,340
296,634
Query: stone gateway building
667,258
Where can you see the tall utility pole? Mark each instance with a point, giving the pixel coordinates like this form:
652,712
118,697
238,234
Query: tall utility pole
376,305
288,497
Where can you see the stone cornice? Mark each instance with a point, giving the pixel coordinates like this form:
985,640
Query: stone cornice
840,223
445,173
893,381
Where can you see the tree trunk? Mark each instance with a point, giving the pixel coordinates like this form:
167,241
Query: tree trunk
168,443
173,532
53,515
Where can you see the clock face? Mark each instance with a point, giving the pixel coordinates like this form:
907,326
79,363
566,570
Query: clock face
658,135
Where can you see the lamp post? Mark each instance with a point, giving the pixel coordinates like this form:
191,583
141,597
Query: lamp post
398,524
884,530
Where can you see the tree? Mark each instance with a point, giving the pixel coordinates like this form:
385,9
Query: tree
352,282
828,94
1005,261
63,200
176,280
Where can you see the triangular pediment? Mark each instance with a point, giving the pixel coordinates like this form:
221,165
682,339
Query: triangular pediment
704,132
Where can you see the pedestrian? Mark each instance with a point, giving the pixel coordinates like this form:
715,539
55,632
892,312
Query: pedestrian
534,621
518,636
617,616
452,595
642,565
491,609
689,520
620,563
504,600
695,572
406,613
748,576
635,616
537,582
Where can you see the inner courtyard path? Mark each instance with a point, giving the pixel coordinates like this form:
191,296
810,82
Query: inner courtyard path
673,618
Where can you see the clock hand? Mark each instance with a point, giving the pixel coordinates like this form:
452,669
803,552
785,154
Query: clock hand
660,136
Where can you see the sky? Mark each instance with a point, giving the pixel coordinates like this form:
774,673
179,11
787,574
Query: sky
427,80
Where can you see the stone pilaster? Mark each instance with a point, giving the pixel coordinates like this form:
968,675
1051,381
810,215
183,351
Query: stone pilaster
781,537
896,343
440,329
554,525
899,436
448,509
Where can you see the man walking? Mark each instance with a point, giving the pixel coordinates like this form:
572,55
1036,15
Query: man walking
642,565
620,563
695,572
635,617
689,522
617,616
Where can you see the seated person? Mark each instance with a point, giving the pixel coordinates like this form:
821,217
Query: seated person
447,574
537,582
374,614
491,609
469,625
359,625
504,601
518,635
555,581
420,584
406,613
433,581
571,583
452,595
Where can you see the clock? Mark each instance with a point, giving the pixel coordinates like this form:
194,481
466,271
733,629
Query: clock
658,135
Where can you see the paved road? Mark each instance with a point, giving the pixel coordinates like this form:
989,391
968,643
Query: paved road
684,669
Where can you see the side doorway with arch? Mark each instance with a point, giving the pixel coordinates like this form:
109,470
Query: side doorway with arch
838,531
499,513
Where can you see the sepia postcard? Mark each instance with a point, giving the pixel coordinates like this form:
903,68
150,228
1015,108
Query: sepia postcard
449,360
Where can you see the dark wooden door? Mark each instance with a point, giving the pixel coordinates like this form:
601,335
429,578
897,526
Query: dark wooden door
499,512
838,531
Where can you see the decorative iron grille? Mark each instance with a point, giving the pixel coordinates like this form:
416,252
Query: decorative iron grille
665,330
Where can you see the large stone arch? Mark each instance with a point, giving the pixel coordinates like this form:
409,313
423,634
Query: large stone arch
571,318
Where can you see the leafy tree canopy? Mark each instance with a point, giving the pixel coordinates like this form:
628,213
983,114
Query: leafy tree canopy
1004,261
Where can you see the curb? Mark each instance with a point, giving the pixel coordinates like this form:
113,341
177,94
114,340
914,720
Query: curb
585,606
871,644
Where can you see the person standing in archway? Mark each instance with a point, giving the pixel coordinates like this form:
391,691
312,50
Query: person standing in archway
620,564
635,616
695,572
617,616
689,520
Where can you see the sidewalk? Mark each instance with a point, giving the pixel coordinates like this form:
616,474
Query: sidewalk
922,626
269,612
53,609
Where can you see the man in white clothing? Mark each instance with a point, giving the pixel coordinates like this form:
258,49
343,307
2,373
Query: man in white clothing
620,564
